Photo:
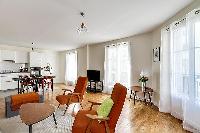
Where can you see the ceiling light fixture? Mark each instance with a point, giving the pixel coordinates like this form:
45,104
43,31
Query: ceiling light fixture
82,27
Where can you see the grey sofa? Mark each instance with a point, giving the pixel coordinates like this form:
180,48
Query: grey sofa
9,113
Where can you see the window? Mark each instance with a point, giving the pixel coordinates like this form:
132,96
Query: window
117,65
71,68
197,58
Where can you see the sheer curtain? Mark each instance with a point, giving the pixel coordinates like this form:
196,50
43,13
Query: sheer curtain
180,71
165,92
71,68
117,66
179,61
192,102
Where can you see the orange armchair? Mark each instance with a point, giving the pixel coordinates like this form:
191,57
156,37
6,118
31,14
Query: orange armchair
73,97
88,121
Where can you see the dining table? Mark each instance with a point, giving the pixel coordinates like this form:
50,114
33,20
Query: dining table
37,81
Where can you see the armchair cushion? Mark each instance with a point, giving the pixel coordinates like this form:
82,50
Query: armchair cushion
105,108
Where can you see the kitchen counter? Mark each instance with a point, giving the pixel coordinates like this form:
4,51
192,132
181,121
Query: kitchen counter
12,72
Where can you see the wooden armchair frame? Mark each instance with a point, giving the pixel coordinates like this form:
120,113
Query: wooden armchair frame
71,94
95,117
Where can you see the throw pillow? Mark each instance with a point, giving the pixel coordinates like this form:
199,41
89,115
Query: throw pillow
105,108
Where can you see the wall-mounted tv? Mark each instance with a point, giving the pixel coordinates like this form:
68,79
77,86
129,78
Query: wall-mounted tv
93,75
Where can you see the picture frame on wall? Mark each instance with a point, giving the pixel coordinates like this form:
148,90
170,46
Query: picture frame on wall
156,54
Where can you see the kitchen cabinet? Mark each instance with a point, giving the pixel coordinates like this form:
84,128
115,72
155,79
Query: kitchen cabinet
36,59
8,55
7,82
21,57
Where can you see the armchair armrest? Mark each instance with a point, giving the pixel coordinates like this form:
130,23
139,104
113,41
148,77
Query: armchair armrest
65,90
96,117
75,93
93,103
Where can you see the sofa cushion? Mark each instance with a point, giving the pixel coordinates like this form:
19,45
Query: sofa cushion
19,99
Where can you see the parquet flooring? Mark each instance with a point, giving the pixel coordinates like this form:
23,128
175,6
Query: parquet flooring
139,118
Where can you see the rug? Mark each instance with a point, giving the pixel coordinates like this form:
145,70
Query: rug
15,125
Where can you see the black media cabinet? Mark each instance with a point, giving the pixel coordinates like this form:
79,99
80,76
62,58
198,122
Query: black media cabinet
95,86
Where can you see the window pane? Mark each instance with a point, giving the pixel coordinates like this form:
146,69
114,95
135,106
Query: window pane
197,34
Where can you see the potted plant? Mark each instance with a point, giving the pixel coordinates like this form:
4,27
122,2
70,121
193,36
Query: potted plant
143,79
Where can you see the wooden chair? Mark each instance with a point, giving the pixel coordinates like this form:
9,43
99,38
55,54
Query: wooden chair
73,97
88,121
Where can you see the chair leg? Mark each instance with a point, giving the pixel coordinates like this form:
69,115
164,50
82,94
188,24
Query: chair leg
65,110
81,105
73,113
58,106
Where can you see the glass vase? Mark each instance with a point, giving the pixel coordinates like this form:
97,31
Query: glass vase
143,86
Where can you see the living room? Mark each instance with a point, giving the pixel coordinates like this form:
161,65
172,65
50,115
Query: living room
138,60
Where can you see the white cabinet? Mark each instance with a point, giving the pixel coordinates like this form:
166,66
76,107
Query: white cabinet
7,82
21,57
35,59
7,55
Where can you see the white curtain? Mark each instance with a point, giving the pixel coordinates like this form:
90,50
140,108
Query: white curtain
165,92
71,68
179,61
117,66
180,71
192,102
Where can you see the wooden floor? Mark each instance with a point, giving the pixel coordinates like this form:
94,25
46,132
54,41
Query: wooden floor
139,118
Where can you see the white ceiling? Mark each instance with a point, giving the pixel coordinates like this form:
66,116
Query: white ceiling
53,24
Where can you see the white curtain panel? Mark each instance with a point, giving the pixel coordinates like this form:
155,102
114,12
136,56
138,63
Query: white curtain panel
71,68
180,71
192,102
117,66
179,61
165,92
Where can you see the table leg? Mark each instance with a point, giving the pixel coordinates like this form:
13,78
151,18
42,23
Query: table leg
95,84
18,86
30,128
131,94
43,86
150,98
54,119
134,97
102,85
52,84
90,86
36,85
144,97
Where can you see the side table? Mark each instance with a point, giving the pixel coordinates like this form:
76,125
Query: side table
138,89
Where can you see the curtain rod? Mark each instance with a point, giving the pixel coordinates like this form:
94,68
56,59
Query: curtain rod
122,43
183,19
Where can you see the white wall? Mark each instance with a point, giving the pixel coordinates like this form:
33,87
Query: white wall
141,55
156,41
52,58
82,61
62,66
